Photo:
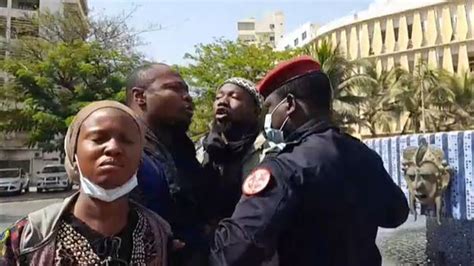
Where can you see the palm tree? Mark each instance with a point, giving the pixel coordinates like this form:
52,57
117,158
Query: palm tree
458,110
422,97
378,110
342,74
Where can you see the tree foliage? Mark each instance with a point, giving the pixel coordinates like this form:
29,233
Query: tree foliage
378,111
52,75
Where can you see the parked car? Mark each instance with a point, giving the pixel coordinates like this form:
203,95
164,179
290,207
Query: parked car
14,180
53,176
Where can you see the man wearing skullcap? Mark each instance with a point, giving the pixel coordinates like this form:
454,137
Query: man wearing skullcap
321,199
234,145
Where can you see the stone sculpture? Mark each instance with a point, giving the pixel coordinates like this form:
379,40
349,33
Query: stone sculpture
427,175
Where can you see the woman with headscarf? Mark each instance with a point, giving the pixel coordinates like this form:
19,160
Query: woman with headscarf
99,224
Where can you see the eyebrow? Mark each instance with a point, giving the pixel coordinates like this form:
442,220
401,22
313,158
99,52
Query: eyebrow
176,83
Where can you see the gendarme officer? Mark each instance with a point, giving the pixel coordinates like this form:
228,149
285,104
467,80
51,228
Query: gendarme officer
320,200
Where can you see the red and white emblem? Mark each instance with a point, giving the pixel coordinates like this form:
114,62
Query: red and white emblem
256,181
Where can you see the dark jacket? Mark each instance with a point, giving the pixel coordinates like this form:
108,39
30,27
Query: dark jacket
226,178
153,191
185,181
190,203
327,196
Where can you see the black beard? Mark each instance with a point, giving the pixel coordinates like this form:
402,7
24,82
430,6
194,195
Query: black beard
234,131
221,127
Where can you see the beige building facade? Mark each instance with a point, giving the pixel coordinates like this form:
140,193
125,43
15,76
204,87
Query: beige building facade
400,32
269,30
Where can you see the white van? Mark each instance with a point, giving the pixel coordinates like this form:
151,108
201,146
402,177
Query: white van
53,176
14,180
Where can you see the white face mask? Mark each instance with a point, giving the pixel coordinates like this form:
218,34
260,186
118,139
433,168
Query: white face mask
274,136
107,195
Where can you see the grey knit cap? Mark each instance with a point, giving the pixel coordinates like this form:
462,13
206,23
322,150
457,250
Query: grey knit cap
248,86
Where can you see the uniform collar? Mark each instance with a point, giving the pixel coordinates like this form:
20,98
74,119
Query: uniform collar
308,128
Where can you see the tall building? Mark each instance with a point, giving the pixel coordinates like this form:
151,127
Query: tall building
300,37
269,30
13,17
400,32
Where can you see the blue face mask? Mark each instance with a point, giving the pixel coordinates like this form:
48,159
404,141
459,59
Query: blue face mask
274,136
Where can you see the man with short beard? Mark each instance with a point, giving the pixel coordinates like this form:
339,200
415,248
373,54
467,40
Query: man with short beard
160,97
233,146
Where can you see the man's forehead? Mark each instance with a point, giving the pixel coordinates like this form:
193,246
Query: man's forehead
163,74
162,71
229,87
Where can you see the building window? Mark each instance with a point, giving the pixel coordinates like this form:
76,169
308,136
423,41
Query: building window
3,3
272,38
410,29
3,27
296,41
454,21
287,47
246,26
471,63
25,4
383,41
396,34
423,31
247,38
303,36
272,26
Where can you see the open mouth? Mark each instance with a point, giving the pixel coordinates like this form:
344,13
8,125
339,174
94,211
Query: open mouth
221,113
421,196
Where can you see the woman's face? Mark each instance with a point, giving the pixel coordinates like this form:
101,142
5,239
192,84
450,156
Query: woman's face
109,147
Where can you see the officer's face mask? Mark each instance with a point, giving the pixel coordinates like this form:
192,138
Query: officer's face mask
100,193
273,135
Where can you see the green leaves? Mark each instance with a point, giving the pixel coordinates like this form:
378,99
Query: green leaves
50,80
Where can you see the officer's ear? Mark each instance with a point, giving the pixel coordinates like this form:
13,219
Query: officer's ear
291,104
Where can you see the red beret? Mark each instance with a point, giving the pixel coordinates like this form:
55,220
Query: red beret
286,71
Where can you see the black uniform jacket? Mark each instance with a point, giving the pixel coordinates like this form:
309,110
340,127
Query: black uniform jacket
327,196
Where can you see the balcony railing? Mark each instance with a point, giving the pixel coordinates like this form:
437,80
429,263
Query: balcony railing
25,5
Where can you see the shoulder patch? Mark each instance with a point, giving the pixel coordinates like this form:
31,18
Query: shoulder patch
257,181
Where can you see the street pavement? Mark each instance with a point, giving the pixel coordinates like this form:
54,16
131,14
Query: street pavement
401,246
33,195
14,207
404,245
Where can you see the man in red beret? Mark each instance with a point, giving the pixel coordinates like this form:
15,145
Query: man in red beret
321,199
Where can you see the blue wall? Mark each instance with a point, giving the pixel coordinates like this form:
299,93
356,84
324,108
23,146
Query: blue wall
458,147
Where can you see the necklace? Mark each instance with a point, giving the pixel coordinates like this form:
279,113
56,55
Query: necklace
71,246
